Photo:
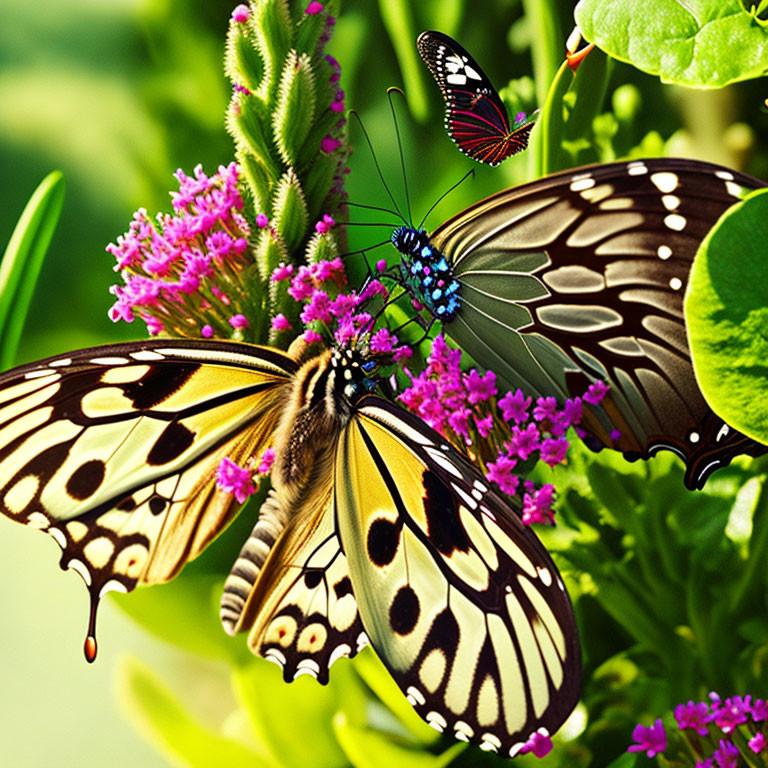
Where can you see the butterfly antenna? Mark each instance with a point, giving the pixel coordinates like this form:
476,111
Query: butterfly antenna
378,167
390,92
447,192
371,207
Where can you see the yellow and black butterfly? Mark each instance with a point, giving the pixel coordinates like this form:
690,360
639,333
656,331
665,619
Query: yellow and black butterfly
580,276
376,530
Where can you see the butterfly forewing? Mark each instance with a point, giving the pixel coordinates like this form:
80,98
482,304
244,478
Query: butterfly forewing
581,275
458,598
475,116
113,450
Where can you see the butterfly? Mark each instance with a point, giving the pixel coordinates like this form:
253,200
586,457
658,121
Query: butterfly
475,116
580,276
375,531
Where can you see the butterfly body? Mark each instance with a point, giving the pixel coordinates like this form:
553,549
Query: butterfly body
580,276
475,117
376,531
426,273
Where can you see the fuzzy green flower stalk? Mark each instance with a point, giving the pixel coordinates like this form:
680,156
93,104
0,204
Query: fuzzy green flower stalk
287,120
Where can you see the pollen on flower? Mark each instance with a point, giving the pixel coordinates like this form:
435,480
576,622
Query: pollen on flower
181,271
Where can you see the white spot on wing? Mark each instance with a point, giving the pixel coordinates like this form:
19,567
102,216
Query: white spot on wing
675,283
339,652
42,372
61,362
436,720
727,175
664,252
724,430
78,566
41,522
671,202
582,184
112,586
665,181
146,355
636,169
416,695
694,437
109,360
58,537
675,221
544,575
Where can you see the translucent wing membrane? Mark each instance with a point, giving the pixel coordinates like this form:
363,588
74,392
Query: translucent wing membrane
112,451
475,116
458,598
581,275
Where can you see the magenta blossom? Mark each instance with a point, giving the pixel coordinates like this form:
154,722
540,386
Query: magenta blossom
651,740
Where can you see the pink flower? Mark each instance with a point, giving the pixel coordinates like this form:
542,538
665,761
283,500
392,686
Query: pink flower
523,441
239,321
381,265
329,144
651,740
281,272
337,106
233,479
726,755
615,435
537,505
262,221
479,387
382,341
266,461
319,308
280,323
546,408
311,337
757,743
458,421
694,716
732,712
554,450
240,14
596,392
539,743
402,353
500,472
206,331
484,425
515,407
314,8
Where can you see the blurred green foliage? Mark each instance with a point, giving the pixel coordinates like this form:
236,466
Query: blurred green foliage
669,585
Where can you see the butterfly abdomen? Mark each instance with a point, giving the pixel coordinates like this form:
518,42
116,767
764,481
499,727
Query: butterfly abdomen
426,273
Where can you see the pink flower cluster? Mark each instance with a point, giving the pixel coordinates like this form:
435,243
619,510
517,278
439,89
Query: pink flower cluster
738,714
503,432
180,271
325,308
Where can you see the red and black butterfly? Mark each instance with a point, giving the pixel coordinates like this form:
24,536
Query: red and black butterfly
475,116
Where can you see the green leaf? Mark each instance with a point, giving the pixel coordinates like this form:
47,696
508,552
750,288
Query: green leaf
243,62
23,259
398,20
294,719
165,723
272,20
727,316
627,760
378,679
295,111
546,42
367,748
700,43
184,612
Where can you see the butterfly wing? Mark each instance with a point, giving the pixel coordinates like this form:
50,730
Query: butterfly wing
475,116
581,275
112,450
459,599
290,590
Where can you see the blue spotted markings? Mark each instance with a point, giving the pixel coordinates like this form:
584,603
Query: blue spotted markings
426,273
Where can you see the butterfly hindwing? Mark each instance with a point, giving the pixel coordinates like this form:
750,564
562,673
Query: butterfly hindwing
113,450
581,275
475,116
458,598
293,594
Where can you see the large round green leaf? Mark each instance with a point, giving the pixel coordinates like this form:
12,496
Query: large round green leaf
726,309
701,43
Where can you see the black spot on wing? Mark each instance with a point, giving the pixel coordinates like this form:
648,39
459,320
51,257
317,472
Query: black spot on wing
159,383
343,588
173,441
86,479
126,505
404,611
383,540
444,527
157,505
312,578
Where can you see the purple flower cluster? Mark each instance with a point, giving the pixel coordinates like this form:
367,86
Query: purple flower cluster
243,482
501,431
180,271
739,718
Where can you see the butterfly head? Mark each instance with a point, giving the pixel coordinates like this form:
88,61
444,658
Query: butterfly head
426,273
355,372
